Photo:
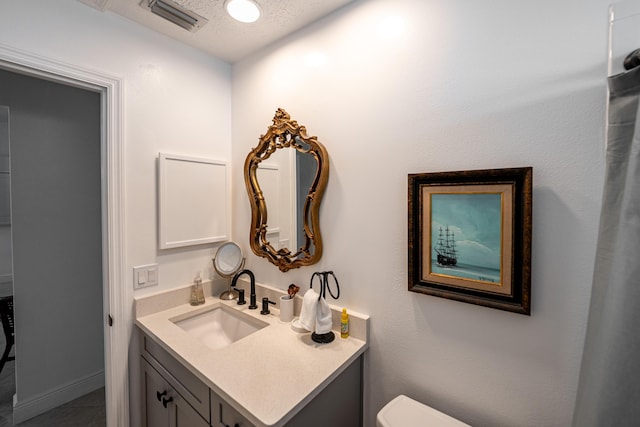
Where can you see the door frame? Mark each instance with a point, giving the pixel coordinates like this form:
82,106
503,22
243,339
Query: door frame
116,294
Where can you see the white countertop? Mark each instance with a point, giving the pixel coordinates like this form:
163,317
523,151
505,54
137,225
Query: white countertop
268,376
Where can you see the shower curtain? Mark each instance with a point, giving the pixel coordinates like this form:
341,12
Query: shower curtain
609,385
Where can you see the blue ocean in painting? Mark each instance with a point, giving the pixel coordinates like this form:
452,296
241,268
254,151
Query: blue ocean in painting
467,271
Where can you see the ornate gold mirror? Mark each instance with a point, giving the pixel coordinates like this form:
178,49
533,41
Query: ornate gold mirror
285,176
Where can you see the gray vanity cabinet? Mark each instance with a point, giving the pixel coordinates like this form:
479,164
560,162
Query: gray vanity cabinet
175,397
172,395
154,389
163,405
223,414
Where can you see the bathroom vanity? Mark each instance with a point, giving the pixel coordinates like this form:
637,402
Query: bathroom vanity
268,375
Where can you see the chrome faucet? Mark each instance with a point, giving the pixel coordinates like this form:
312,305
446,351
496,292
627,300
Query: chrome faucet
252,297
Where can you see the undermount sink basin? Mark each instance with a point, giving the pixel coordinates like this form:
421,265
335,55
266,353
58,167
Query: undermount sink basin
219,326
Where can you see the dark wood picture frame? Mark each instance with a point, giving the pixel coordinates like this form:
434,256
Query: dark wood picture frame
470,236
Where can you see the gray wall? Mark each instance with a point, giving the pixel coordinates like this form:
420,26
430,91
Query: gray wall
5,226
56,203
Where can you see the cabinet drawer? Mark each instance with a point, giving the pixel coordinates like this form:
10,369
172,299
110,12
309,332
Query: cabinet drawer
192,389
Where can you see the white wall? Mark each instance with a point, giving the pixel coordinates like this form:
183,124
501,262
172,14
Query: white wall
393,87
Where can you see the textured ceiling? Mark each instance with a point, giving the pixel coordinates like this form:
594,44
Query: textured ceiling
222,36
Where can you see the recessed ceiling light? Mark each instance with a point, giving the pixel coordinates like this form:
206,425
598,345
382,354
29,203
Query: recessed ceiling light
243,10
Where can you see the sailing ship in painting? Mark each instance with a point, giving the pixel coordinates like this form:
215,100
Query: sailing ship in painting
446,248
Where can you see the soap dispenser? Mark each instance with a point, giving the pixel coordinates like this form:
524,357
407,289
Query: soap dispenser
197,291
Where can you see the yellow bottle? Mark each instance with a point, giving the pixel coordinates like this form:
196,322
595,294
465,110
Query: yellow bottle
344,324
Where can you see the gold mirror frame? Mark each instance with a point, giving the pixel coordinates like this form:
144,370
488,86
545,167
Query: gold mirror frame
286,133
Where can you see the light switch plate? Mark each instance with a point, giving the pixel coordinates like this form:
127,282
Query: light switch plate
145,276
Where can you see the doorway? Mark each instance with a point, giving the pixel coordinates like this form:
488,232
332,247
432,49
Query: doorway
56,240
117,298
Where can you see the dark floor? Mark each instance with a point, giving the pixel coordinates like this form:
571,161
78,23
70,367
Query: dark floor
86,411
7,388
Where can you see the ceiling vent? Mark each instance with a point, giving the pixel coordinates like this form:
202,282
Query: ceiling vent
101,5
173,12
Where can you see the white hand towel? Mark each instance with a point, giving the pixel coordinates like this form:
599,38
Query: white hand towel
309,310
323,318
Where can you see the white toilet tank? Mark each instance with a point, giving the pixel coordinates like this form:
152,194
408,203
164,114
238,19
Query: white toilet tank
406,412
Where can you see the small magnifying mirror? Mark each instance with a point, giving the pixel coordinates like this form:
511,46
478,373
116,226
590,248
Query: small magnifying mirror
227,262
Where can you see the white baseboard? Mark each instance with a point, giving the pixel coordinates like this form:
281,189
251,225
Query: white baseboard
41,403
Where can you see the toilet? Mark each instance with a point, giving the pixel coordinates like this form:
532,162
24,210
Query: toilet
406,412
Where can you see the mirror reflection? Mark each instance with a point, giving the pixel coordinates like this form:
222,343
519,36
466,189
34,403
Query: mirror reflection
227,262
285,177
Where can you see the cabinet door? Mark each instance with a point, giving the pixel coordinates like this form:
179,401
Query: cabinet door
183,415
154,389
224,415
338,405
163,406
183,381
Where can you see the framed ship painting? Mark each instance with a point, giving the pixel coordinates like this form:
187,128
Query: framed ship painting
470,236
